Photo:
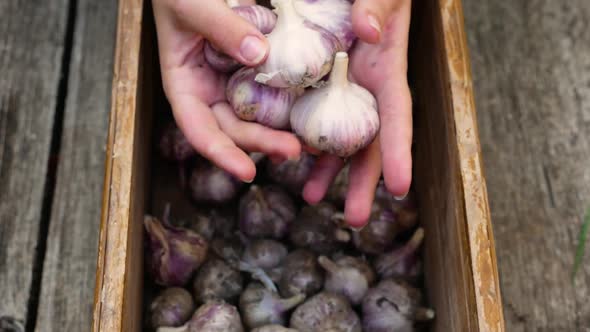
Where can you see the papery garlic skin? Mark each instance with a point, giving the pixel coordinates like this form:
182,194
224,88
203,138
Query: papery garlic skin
301,53
332,15
340,117
172,307
253,101
325,311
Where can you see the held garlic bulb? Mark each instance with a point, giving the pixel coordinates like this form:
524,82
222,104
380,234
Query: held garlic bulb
340,117
253,101
332,15
172,307
301,52
261,17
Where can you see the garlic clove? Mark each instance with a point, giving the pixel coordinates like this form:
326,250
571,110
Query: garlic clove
174,253
332,15
253,101
301,52
216,280
172,307
261,17
340,117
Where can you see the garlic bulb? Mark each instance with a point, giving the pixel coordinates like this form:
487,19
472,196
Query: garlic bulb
315,229
301,274
211,184
325,311
403,261
260,306
301,52
273,328
261,17
332,15
393,306
265,253
172,307
173,144
340,117
174,253
253,101
266,212
216,280
213,316
292,174
349,276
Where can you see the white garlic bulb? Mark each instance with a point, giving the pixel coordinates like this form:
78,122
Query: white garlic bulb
332,15
301,52
340,117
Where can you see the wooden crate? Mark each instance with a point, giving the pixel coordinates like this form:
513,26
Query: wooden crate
460,261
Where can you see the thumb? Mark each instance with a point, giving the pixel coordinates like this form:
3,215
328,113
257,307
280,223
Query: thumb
224,28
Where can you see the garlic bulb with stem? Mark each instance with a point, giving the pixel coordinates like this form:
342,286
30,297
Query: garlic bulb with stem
174,253
325,311
401,262
260,306
261,17
301,52
348,275
213,316
172,307
393,306
217,280
292,174
332,15
253,101
266,254
339,118
266,211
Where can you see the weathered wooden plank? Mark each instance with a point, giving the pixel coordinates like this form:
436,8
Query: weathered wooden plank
31,47
70,262
532,79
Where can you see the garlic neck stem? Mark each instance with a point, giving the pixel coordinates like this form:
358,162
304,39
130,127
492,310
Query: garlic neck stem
288,304
339,74
232,3
286,13
328,265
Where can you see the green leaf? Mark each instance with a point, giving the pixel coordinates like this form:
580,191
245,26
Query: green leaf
581,244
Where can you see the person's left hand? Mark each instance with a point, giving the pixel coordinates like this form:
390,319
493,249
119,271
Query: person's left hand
378,62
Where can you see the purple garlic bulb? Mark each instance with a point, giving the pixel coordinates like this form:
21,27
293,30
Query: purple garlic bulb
301,52
379,234
217,280
264,20
266,254
211,184
316,230
260,306
393,306
349,276
292,174
210,223
266,212
253,101
402,262
172,307
213,316
332,15
174,145
325,311
301,274
273,328
174,253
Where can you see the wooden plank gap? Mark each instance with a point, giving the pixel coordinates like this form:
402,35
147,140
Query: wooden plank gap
53,164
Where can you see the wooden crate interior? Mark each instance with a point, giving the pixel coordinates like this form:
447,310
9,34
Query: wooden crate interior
449,281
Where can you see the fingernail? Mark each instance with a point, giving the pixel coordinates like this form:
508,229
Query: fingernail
252,49
374,23
400,197
249,181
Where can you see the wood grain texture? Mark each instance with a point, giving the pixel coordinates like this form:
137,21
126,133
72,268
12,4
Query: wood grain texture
31,47
70,260
117,299
532,80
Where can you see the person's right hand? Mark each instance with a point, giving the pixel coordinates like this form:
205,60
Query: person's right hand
197,93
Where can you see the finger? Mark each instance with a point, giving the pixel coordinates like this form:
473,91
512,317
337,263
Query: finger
325,169
395,111
370,16
255,137
364,173
223,27
200,128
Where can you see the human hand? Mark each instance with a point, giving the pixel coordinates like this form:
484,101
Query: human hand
378,62
196,92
